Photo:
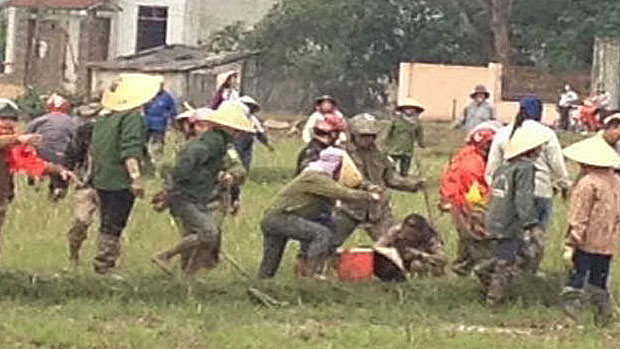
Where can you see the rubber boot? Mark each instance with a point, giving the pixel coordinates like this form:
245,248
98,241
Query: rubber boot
572,302
603,307
109,251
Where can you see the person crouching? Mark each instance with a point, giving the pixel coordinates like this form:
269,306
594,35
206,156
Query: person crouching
419,246
593,232
512,213
298,212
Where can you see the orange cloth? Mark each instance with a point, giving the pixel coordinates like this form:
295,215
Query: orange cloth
23,159
465,170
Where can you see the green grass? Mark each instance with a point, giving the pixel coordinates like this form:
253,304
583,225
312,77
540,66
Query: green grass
42,307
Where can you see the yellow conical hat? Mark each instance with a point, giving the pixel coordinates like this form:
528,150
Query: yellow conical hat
594,151
525,139
130,91
231,114
409,102
350,176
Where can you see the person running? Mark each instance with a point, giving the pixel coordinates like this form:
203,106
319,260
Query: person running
158,115
117,147
197,173
404,132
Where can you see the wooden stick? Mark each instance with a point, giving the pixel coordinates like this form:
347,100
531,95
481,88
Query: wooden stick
427,200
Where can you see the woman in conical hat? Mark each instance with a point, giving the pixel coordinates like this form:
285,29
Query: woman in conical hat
117,148
227,88
512,217
593,233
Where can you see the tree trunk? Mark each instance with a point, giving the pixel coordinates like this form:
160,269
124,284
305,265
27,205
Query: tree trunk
500,26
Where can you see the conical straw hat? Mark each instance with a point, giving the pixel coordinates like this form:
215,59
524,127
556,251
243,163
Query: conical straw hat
350,176
409,102
232,115
130,91
222,78
593,151
525,139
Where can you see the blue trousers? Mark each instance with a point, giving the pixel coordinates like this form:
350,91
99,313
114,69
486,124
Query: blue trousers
594,267
544,210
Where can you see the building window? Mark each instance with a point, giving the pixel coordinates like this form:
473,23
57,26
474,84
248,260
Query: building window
152,26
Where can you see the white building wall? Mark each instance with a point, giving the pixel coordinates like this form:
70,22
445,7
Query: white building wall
124,32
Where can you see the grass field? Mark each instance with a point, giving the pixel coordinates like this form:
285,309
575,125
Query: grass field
43,307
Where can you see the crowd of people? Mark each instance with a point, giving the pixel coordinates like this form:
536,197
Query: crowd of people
498,187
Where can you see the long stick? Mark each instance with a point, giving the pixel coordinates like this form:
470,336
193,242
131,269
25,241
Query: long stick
427,200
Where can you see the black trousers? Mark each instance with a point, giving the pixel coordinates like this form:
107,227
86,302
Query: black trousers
116,206
404,163
591,266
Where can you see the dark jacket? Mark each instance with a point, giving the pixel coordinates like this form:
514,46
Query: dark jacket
512,209
309,154
58,131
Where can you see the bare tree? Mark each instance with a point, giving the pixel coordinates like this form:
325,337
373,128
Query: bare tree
500,27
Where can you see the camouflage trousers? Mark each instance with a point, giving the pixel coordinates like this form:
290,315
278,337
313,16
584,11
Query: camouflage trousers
496,274
86,206
155,151
424,267
471,253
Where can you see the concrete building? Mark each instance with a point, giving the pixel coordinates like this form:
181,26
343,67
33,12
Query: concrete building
49,42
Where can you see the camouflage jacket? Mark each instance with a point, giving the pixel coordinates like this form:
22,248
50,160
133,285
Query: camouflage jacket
377,170
512,210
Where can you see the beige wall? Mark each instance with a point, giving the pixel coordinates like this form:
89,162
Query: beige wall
444,90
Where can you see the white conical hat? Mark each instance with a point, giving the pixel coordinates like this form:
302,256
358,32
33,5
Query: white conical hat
525,139
130,91
594,151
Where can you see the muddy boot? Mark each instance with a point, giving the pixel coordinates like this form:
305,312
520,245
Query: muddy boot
603,307
109,251
499,283
483,271
76,236
572,302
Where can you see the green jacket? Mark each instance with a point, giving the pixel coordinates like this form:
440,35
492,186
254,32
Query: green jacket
198,165
116,137
512,210
402,136
310,193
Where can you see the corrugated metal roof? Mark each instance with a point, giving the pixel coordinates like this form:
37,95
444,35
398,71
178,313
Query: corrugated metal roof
171,58
61,4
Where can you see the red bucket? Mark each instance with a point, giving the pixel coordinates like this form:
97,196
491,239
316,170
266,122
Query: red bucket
355,264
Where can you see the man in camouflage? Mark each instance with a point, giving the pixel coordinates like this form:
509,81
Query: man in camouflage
379,175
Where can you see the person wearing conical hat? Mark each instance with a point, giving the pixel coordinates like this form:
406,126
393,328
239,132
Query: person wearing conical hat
117,149
593,227
324,107
511,212
227,89
478,111
419,246
551,171
404,131
198,171
302,211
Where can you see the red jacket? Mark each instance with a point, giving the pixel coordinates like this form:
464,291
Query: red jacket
466,168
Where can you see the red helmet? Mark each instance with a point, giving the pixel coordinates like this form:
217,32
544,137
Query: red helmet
57,104
336,121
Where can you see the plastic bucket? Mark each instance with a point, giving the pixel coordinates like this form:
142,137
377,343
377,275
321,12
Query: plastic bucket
355,264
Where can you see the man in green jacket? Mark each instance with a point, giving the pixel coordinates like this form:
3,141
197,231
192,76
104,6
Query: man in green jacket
117,148
194,180
302,211
403,133
512,214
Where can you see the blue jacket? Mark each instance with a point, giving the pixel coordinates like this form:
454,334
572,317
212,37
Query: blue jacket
160,112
